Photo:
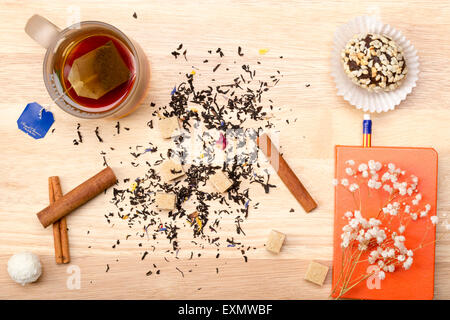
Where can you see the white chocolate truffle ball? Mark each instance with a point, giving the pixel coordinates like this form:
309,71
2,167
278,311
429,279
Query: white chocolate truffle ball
24,267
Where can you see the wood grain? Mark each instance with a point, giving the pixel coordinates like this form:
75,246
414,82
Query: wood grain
301,32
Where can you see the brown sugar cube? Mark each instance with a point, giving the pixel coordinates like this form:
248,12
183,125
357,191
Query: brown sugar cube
275,241
221,181
168,127
316,273
165,201
171,170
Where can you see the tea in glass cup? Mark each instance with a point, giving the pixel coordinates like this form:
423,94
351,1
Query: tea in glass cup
91,69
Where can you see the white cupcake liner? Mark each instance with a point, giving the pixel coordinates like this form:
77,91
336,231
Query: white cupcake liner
362,98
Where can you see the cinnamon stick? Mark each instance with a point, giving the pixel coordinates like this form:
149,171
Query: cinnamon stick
56,230
286,174
64,240
77,197
62,223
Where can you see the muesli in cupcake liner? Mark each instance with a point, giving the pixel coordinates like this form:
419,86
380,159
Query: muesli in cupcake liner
361,98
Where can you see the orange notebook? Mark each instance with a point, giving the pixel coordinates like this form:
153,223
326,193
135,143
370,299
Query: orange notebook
418,281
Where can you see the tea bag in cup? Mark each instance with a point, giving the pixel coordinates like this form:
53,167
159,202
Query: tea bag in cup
98,72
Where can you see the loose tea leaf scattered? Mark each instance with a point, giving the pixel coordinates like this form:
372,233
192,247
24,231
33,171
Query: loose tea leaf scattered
224,115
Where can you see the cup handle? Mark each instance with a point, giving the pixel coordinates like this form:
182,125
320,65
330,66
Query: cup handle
41,30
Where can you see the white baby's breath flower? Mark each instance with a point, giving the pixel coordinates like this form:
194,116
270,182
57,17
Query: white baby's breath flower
348,214
384,239
374,222
391,167
392,211
364,223
349,171
381,236
386,176
362,167
345,243
353,187
346,229
434,219
391,253
378,166
400,246
354,223
401,187
387,188
407,264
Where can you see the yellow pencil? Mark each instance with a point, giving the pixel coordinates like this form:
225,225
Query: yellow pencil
367,131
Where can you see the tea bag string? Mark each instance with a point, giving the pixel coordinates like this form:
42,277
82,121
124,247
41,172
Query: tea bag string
131,77
62,94
49,106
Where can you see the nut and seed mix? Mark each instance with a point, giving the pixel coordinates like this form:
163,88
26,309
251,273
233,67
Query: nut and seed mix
374,62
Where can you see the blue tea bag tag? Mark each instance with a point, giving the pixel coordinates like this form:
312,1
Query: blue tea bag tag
35,120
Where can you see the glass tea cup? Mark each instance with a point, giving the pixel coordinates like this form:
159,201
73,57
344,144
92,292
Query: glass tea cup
63,45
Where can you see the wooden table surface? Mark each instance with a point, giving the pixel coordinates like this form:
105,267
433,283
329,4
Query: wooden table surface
301,32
